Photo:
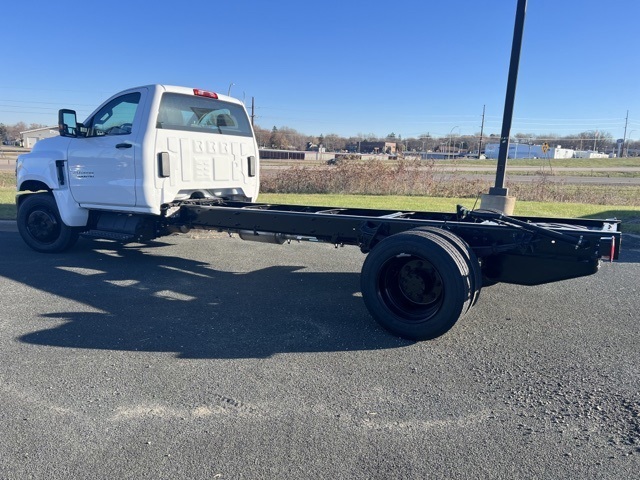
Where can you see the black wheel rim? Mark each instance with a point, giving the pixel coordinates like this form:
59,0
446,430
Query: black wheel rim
411,287
43,226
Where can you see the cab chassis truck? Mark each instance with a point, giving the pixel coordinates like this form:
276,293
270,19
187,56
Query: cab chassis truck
158,160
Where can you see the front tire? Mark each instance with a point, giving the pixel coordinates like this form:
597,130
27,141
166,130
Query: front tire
416,284
41,227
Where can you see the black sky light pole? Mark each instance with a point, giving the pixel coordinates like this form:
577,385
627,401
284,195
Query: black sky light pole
518,30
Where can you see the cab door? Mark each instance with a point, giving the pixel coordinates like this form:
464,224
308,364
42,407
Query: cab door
102,165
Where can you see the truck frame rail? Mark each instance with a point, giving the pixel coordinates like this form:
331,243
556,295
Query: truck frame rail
521,250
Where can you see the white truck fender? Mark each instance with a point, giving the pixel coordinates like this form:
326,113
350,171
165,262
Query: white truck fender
37,169
71,213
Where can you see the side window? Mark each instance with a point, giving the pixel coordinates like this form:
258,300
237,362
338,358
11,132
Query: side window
116,117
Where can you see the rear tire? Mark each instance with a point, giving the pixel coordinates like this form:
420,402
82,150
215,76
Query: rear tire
469,255
41,227
416,284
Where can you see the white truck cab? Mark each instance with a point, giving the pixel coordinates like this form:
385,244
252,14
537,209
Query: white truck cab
138,152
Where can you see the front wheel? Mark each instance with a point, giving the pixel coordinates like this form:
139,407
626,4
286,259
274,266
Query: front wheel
41,227
416,284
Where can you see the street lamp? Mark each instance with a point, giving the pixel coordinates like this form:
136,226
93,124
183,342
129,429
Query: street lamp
229,89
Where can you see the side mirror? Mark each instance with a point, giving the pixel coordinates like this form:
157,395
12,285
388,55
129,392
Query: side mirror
67,123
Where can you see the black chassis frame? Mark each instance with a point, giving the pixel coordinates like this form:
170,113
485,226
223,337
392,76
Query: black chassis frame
519,250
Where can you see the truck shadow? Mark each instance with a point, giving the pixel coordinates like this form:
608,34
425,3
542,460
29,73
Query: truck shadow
630,247
630,252
146,300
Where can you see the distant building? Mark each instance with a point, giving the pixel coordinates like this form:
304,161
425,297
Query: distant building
30,137
590,154
389,148
524,150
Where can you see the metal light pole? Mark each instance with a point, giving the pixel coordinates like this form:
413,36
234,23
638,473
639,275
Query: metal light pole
507,118
229,89
499,190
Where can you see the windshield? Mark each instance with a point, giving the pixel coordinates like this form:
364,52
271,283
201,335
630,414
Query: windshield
202,114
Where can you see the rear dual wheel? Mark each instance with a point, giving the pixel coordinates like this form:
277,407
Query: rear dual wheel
418,283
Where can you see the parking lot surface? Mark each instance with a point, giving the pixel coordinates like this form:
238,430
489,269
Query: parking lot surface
202,356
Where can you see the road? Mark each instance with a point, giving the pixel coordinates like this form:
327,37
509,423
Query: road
203,357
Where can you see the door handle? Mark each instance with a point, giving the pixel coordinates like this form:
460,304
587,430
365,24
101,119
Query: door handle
124,145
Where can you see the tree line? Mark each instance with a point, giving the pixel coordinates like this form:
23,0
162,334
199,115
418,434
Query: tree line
10,134
286,138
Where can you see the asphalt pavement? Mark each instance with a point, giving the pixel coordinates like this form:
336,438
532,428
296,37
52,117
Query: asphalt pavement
205,357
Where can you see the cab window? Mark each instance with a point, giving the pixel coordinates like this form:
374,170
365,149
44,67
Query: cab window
116,117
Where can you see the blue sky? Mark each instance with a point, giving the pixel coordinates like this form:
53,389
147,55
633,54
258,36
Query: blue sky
347,67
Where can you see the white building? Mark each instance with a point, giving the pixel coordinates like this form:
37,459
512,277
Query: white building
524,150
590,154
31,137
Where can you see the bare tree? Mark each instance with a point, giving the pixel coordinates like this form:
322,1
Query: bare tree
294,139
13,131
334,142
277,139
262,136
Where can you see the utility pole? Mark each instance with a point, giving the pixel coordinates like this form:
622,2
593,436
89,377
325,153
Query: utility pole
481,132
253,109
624,137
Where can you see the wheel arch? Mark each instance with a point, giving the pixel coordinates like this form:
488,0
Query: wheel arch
30,186
72,214
33,186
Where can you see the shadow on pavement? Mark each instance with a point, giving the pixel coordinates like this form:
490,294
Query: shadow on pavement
144,300
630,248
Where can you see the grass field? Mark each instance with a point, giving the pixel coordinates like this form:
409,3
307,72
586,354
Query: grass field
7,196
629,214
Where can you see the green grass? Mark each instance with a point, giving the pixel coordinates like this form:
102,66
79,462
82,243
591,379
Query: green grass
7,211
629,215
7,196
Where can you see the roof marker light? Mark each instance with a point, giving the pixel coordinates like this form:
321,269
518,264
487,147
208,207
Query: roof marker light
204,93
